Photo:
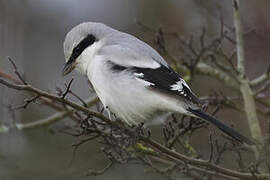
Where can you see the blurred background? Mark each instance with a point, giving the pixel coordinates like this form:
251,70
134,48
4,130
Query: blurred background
32,34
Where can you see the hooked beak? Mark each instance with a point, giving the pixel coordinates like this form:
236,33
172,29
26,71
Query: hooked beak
68,67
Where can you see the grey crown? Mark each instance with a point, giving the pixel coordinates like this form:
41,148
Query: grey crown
102,32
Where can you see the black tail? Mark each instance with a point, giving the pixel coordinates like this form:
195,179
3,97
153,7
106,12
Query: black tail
226,129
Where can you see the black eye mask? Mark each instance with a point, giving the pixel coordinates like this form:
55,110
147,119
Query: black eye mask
86,42
77,51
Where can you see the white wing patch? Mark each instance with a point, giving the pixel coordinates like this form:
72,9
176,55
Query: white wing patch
179,87
140,75
145,83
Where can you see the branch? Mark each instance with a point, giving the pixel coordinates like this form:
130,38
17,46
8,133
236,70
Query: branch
92,172
214,169
264,77
16,71
67,88
202,165
26,103
37,91
239,39
200,67
49,120
45,122
43,100
205,69
249,101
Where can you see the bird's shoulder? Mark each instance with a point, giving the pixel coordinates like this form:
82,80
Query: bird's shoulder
127,45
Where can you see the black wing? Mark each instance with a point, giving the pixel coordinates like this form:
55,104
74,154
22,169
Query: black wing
166,79
162,78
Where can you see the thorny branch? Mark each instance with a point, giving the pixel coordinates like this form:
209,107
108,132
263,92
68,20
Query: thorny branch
121,141
16,71
67,88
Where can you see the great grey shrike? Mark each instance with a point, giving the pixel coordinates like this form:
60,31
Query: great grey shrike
130,78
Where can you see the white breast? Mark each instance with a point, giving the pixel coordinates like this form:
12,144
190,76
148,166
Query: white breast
123,93
126,96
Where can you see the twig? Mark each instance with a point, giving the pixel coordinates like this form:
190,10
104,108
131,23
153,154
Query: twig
32,89
79,98
92,172
201,67
44,122
53,118
201,163
9,77
76,145
27,102
265,86
67,88
259,80
211,147
43,99
16,71
204,69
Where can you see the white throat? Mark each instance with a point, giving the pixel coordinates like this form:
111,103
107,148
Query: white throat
85,59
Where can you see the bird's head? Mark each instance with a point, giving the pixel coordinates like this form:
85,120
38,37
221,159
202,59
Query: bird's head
81,43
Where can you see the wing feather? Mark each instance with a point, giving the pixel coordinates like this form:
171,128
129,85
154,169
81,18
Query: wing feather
161,78
167,80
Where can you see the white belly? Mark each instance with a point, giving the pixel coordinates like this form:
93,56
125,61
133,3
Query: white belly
129,98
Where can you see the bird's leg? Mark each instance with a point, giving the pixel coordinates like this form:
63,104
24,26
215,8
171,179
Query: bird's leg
109,112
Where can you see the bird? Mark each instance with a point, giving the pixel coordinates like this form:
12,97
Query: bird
131,79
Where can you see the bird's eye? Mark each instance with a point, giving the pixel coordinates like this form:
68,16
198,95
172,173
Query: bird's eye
76,49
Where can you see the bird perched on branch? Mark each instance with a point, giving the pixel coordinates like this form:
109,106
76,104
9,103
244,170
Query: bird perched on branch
130,78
